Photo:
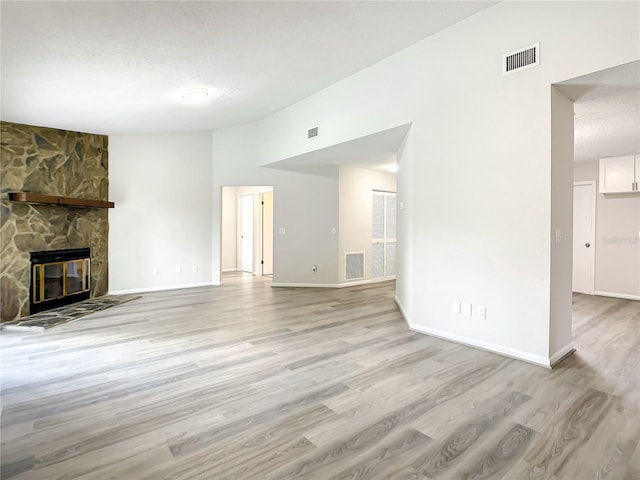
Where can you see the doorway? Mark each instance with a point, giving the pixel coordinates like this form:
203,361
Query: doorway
584,235
247,230
605,125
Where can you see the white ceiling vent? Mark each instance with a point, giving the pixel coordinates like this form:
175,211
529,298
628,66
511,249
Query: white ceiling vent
520,59
312,132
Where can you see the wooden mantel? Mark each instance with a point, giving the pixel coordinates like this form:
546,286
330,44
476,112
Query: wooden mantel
42,199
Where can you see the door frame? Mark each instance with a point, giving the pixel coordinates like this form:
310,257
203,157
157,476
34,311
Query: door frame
592,239
266,231
240,237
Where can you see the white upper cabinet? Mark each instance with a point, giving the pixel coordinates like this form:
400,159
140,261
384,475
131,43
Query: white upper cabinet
619,174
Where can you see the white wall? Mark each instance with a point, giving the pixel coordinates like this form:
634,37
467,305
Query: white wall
160,184
561,241
305,205
356,189
476,178
229,219
617,269
480,176
404,251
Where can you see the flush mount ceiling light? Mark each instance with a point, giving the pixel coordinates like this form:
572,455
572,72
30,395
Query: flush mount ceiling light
195,95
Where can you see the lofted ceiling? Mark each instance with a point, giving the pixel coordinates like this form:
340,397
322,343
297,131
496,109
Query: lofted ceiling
606,124
118,67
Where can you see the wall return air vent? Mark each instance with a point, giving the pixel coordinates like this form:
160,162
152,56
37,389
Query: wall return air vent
521,59
354,266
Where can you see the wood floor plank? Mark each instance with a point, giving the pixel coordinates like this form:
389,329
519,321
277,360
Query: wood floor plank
181,446
618,440
439,458
506,452
250,382
392,454
581,420
254,450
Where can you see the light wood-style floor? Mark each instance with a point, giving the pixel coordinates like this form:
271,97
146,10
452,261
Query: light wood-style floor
247,382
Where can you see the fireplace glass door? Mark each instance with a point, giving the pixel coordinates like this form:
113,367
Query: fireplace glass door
60,279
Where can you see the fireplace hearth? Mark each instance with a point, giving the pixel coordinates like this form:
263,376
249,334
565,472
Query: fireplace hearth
59,277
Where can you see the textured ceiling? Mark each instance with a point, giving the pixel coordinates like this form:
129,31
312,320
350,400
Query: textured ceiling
607,112
121,67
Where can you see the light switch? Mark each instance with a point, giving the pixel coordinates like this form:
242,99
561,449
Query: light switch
282,231
466,309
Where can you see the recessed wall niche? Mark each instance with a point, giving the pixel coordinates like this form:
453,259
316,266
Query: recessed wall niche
54,162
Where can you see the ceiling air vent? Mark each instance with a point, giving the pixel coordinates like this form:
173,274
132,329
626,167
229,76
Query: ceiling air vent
520,59
312,132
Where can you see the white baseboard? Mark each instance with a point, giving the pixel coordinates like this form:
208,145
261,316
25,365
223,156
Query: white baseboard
354,283
165,287
227,270
366,282
307,285
490,347
332,285
403,311
561,354
617,295
482,345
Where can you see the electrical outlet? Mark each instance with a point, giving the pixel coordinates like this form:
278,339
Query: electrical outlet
455,307
482,312
194,269
178,270
155,271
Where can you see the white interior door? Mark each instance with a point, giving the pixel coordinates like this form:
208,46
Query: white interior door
584,236
383,233
246,232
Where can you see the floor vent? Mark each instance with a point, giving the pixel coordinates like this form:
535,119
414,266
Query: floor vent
519,60
354,266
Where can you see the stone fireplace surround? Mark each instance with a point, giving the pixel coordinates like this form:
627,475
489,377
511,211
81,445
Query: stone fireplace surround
53,162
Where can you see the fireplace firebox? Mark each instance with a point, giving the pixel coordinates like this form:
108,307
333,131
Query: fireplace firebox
59,277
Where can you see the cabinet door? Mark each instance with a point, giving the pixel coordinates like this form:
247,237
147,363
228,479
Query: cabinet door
617,174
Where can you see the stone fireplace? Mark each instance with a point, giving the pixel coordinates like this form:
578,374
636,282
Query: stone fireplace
58,163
